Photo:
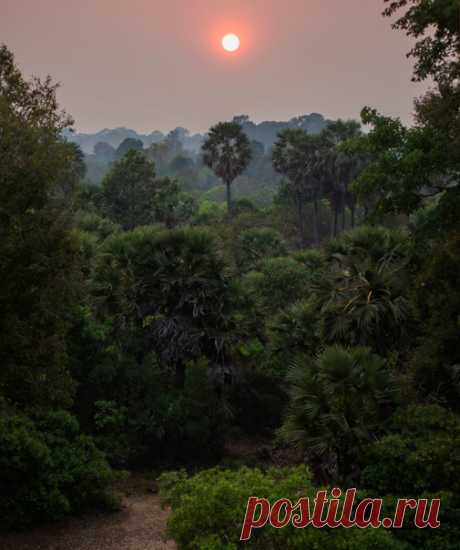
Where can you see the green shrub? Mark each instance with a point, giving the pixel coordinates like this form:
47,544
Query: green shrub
48,470
208,512
422,454
420,459
279,283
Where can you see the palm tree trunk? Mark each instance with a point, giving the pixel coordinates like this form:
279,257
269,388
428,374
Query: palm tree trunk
229,198
315,221
301,221
336,220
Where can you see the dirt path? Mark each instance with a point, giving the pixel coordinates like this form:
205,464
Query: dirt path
139,526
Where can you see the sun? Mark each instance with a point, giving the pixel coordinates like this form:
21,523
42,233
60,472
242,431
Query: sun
231,43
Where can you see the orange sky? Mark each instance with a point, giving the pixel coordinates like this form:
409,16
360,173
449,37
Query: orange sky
157,64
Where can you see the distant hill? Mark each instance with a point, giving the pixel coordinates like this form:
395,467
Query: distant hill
264,132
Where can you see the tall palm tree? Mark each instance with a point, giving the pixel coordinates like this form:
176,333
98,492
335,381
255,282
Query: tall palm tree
340,169
296,155
288,162
227,151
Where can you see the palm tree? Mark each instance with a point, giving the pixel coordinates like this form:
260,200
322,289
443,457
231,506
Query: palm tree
297,155
363,298
339,402
227,151
340,168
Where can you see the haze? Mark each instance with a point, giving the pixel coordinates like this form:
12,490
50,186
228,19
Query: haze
158,64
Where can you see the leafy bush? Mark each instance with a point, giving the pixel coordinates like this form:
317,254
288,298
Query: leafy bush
421,454
420,458
48,470
279,283
208,511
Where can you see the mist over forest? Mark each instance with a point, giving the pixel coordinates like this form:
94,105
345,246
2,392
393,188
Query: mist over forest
264,132
178,154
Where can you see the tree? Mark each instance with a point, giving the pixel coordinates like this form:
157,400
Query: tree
128,190
409,166
167,294
39,266
128,144
338,169
339,402
227,151
436,53
412,165
363,297
296,155
293,331
436,358
256,244
170,205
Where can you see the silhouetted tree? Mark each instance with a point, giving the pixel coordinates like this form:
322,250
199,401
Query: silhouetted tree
296,155
227,151
38,251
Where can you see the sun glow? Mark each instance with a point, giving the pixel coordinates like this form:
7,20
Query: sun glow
231,43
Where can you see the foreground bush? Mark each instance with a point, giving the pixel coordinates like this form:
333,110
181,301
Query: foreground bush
48,470
208,511
420,458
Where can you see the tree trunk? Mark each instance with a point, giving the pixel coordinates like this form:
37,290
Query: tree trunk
229,198
353,213
315,221
336,220
301,220
344,213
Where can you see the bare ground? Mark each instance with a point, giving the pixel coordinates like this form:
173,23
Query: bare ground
139,526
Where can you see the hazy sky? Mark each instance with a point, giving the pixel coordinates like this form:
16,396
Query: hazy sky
158,64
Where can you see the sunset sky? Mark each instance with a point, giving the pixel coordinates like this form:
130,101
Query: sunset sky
158,64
